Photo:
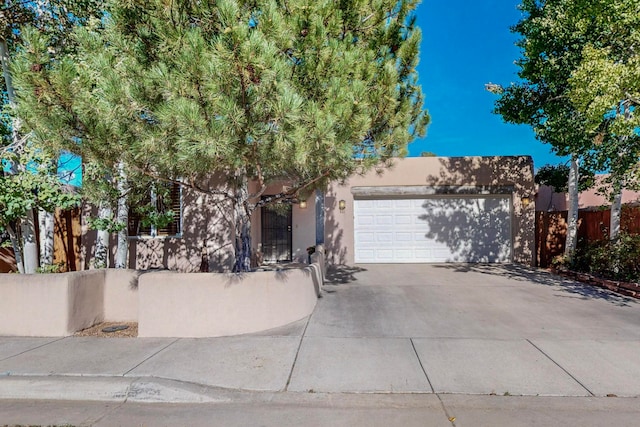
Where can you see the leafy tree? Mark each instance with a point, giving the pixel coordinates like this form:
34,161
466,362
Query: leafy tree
266,91
54,18
606,84
540,99
557,177
37,187
554,35
606,88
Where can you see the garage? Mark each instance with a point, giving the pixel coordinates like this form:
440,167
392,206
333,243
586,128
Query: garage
433,229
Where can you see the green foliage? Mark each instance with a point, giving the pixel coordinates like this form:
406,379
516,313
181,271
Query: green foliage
50,268
578,57
608,78
54,17
428,154
557,177
300,91
33,187
611,259
105,224
550,52
151,216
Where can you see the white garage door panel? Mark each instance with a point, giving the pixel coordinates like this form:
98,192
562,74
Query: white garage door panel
464,229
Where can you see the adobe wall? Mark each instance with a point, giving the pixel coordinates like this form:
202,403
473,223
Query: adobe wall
165,304
213,305
50,304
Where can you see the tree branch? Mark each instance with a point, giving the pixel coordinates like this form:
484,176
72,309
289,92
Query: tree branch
191,184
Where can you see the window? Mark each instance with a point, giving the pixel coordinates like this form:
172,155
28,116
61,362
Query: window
160,203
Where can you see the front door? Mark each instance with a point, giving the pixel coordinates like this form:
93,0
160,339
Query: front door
276,234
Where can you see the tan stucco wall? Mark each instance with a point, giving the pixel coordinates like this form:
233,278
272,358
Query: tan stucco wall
206,238
166,304
212,305
516,172
50,304
121,295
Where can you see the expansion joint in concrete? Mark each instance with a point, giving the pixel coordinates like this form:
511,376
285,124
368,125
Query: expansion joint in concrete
295,359
421,365
34,348
561,367
153,355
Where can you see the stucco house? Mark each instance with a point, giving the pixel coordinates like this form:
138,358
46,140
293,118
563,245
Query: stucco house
421,210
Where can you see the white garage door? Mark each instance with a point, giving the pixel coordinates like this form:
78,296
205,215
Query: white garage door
438,229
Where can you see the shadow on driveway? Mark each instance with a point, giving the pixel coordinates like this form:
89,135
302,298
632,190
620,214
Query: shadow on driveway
342,274
543,277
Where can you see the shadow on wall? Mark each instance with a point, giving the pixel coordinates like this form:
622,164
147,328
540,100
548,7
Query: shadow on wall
336,252
469,230
497,175
204,245
494,171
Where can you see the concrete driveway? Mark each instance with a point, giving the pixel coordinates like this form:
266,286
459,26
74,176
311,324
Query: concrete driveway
469,329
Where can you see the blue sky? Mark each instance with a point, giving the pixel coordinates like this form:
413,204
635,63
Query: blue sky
465,45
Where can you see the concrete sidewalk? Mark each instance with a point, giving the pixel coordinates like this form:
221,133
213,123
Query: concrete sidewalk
435,332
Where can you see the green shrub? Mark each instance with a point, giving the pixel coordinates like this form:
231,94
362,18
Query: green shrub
51,268
617,259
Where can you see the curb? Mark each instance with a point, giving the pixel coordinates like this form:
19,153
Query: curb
108,389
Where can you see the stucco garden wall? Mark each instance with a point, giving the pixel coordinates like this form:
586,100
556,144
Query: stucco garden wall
121,295
50,304
211,305
165,304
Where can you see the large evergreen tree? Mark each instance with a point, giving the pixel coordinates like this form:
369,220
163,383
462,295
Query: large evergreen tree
302,92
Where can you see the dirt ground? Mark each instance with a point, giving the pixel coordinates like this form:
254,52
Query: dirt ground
96,330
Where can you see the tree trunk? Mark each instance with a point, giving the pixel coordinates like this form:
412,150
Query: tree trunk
122,215
101,255
616,210
29,244
46,224
17,249
242,216
572,220
618,186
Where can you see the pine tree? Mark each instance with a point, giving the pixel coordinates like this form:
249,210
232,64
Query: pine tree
268,91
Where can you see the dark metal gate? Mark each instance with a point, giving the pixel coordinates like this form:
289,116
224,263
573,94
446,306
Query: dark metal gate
276,234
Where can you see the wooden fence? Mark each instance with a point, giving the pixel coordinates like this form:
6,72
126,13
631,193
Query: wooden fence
551,230
66,243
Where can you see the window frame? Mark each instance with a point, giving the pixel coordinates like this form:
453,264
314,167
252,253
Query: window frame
153,230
